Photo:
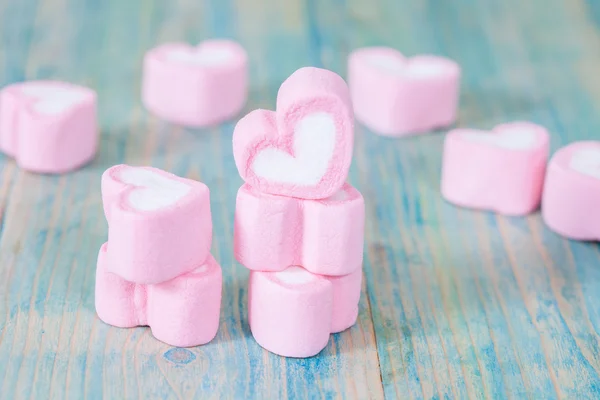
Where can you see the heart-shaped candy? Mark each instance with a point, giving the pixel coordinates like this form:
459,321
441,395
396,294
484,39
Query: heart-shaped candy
304,149
48,126
159,225
325,237
195,86
394,95
502,170
572,191
183,311
293,312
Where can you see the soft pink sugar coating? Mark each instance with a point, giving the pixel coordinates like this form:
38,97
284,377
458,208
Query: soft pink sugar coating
485,176
571,198
52,143
409,96
157,245
324,236
191,94
296,319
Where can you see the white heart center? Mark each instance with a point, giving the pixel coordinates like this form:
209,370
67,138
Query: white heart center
512,140
427,69
295,275
154,190
314,144
52,100
587,162
387,63
206,57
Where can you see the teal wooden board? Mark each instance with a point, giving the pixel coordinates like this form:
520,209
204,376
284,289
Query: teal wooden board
455,303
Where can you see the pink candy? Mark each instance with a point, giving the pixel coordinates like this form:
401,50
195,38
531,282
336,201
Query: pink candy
181,312
156,268
396,96
159,224
572,191
293,312
324,236
502,170
196,86
48,126
304,149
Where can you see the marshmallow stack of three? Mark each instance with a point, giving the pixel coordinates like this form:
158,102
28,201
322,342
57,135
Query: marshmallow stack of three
299,227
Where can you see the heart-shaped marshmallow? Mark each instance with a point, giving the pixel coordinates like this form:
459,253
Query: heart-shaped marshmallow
293,312
502,170
396,96
325,236
159,225
181,312
195,86
304,149
572,191
48,126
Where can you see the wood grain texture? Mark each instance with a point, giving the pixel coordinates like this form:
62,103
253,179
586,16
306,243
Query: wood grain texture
455,304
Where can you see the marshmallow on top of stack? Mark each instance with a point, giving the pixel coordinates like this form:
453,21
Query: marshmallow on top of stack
299,227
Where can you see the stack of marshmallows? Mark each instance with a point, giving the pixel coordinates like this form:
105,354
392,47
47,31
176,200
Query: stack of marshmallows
299,227
156,268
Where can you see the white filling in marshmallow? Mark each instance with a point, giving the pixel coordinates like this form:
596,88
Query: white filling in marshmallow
587,162
53,100
295,275
513,140
155,191
388,63
206,57
314,144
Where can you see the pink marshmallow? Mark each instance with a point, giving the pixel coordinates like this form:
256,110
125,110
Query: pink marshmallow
502,170
159,225
572,191
181,312
293,312
396,96
195,86
304,149
324,236
48,126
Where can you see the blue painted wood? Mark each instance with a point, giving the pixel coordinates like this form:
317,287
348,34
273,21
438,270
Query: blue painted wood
456,304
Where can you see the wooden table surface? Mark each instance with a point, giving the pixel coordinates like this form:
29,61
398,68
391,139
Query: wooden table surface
455,303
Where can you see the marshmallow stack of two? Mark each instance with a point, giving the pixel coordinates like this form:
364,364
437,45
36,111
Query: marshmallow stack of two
156,268
299,227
